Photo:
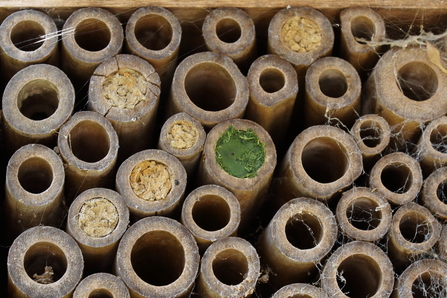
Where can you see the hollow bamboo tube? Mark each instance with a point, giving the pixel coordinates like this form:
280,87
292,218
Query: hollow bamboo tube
89,37
230,31
363,215
332,95
273,88
151,182
361,27
229,268
154,34
434,192
421,89
27,37
34,189
36,102
414,231
396,177
184,137
298,290
250,187
299,236
97,219
125,89
88,145
358,269
158,257
209,87
211,212
321,162
441,247
44,262
423,278
101,285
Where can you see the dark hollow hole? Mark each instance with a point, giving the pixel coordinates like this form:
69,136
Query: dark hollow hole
441,191
272,80
89,141
414,227
362,28
92,35
429,284
100,293
38,100
397,178
43,254
438,138
211,213
333,83
35,175
417,80
371,134
230,266
363,214
27,36
153,32
304,231
228,30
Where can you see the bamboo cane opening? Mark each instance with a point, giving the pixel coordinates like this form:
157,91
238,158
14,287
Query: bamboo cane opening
211,213
415,227
101,293
42,255
333,83
35,175
304,230
272,80
438,138
429,284
38,99
441,191
228,30
89,141
28,35
417,81
153,32
363,214
397,177
92,35
230,266
362,28
371,133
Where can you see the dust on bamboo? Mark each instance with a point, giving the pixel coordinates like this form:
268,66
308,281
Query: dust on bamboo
103,285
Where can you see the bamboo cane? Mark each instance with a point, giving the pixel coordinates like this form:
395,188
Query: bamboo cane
101,285
300,290
433,193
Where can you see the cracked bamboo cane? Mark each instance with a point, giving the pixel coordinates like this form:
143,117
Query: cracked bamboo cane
300,290
434,192
101,285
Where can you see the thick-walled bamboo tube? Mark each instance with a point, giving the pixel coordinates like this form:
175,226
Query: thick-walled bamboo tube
27,37
209,87
125,89
230,31
230,268
358,269
434,193
89,37
184,137
414,231
299,236
423,278
36,102
363,214
158,257
396,177
210,213
321,162
97,219
152,182
273,88
360,26
333,90
441,247
240,156
101,285
44,262
300,290
34,189
88,145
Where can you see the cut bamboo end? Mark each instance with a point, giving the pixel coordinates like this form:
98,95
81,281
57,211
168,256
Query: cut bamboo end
298,290
363,215
396,177
158,257
229,268
88,145
97,219
184,137
210,213
441,247
89,37
333,90
34,189
152,182
434,192
299,236
230,31
209,87
133,114
44,262
36,102
101,285
358,269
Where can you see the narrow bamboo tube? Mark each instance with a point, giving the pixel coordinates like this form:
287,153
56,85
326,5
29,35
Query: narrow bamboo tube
434,193
101,285
97,219
358,269
158,257
184,137
300,290
414,231
152,182
27,37
210,213
229,268
251,187
36,102
441,247
209,87
396,177
359,26
88,145
89,37
34,189
230,31
423,278
125,89
44,262
299,236
273,88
